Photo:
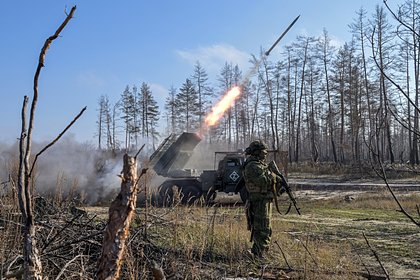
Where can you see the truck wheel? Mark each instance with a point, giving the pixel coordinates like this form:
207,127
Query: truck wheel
189,194
166,194
210,196
243,193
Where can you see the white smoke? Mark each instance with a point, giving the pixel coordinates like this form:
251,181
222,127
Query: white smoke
69,168
204,156
8,160
81,168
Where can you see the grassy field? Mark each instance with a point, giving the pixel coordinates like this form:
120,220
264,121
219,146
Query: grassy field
201,242
325,242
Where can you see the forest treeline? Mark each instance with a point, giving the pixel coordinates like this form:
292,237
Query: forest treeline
319,101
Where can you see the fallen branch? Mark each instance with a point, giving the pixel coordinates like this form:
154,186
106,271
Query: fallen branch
15,274
262,271
360,258
376,257
66,265
307,250
58,233
72,242
284,256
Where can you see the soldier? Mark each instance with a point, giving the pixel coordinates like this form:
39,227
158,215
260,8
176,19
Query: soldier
259,182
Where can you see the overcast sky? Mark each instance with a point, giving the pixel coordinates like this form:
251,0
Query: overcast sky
111,44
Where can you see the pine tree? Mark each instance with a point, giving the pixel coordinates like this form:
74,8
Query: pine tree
187,107
204,91
103,121
127,107
170,107
149,113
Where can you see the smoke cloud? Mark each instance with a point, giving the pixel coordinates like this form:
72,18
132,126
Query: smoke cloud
68,168
75,170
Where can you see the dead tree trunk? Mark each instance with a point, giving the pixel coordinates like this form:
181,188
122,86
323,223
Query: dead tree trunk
120,215
32,266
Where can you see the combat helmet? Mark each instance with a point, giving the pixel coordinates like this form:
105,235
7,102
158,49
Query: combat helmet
255,146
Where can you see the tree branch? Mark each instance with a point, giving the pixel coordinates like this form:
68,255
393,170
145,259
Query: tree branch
381,172
56,139
284,256
387,77
400,20
376,257
139,151
44,49
66,265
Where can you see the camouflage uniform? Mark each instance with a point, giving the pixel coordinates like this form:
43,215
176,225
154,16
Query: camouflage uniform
258,182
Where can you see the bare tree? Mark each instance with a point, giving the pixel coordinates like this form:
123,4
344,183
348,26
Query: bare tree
375,155
204,91
104,122
408,30
303,44
32,266
382,45
266,78
170,107
359,29
312,107
127,107
226,82
149,113
326,51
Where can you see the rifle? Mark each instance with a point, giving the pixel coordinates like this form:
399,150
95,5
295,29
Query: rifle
249,218
240,184
273,168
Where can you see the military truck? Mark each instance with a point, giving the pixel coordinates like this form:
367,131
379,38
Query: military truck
189,184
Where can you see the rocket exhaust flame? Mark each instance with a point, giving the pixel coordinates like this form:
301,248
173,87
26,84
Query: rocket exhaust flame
228,100
222,106
233,94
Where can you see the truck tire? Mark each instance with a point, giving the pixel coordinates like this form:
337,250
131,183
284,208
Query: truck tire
166,194
189,194
171,193
210,196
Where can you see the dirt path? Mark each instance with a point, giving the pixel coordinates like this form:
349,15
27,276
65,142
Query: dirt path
302,183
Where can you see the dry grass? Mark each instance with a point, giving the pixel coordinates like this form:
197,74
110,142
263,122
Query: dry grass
381,200
208,243
339,172
10,238
198,242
